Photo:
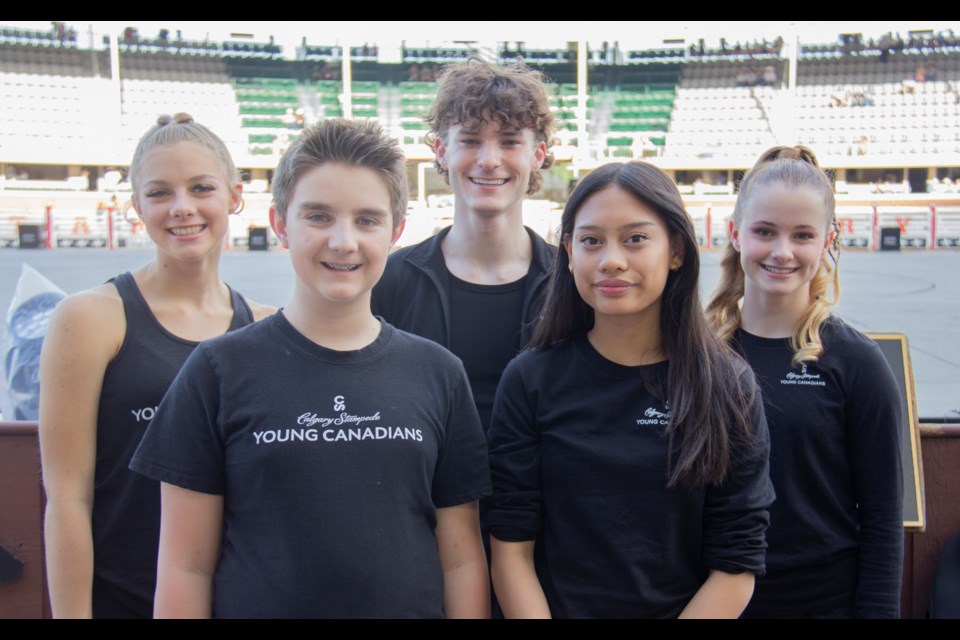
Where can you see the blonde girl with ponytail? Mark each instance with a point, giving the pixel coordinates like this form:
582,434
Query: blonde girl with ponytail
835,542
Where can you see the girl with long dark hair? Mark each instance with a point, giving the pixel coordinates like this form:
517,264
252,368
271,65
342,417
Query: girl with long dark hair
628,447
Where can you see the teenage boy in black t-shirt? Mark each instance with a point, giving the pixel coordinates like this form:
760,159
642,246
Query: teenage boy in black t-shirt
323,463
475,286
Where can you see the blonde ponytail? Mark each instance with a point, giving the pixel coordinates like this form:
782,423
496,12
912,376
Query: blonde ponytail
793,167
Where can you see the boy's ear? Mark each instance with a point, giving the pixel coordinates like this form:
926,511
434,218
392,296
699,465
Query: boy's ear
540,155
279,226
398,231
440,149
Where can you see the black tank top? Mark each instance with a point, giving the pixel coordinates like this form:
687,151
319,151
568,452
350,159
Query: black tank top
126,508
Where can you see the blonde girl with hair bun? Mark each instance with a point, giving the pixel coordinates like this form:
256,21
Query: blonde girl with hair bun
835,542
108,357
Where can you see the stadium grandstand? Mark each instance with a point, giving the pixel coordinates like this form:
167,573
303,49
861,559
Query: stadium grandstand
880,109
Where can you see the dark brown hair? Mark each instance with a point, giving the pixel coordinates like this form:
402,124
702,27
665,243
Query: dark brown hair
358,143
513,95
705,386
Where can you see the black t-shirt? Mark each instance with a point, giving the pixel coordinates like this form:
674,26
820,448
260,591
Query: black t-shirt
332,465
485,334
578,457
836,529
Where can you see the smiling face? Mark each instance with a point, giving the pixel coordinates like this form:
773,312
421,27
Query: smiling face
489,167
184,199
339,229
620,253
781,240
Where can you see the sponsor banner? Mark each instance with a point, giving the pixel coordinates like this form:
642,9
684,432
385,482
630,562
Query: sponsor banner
948,227
856,227
913,222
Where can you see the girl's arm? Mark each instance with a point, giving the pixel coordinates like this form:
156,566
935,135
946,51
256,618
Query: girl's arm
83,336
516,508
515,580
723,595
190,528
736,515
466,591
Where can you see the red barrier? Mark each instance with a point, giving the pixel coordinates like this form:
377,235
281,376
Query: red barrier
49,225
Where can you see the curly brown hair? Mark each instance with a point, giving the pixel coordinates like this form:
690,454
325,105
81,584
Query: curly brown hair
476,91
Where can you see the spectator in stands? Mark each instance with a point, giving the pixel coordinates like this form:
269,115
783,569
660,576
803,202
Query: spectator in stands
839,97
886,46
769,76
920,75
91,184
111,179
832,403
108,357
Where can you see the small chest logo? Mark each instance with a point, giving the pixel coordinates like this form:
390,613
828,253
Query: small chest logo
654,416
338,404
804,378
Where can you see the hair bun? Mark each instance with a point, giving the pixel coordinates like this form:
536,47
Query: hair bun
806,154
798,152
179,118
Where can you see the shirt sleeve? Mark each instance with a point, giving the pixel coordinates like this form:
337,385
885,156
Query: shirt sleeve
873,417
183,445
737,512
462,473
514,514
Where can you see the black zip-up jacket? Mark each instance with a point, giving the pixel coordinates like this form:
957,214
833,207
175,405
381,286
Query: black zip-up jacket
412,294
